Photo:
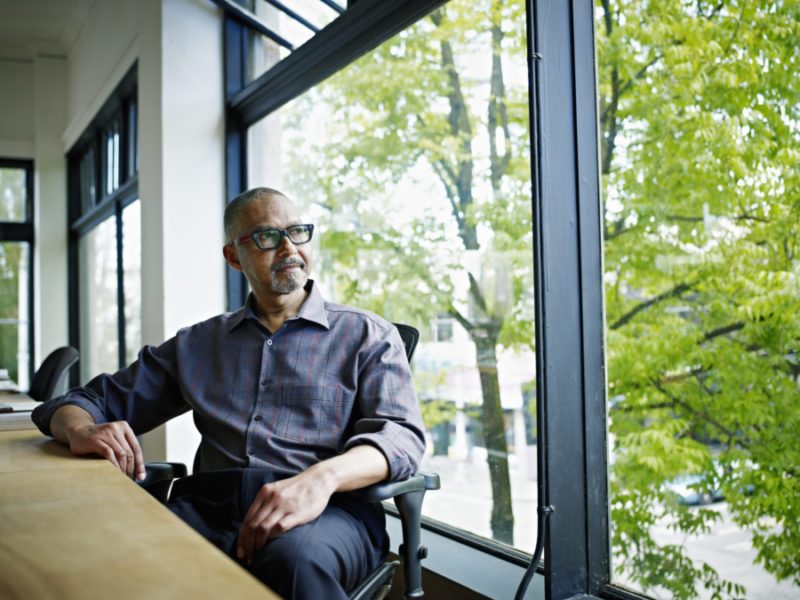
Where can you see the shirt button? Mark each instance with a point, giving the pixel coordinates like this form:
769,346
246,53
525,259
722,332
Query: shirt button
257,418
250,452
263,382
269,342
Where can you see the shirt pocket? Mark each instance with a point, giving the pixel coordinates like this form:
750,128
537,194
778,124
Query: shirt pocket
314,414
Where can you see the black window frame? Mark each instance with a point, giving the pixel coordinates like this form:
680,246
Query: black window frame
120,110
23,231
570,339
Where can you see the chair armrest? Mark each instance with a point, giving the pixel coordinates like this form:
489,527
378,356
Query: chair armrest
158,471
385,490
158,478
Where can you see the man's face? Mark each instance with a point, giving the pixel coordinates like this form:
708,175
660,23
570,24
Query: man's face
282,270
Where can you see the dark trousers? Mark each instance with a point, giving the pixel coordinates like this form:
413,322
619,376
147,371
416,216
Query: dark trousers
325,558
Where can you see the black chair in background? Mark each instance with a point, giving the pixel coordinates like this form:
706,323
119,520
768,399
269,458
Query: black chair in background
48,381
407,495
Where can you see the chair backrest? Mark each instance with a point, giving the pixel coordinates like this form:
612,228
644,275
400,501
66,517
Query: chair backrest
48,377
410,337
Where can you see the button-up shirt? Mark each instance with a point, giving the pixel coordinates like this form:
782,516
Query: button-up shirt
330,378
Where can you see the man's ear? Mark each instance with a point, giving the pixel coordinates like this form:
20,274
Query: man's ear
231,257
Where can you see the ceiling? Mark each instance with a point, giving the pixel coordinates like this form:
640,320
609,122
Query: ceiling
43,27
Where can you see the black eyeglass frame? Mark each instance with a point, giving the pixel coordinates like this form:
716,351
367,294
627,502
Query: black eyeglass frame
284,233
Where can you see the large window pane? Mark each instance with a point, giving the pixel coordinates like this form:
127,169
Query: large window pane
13,194
98,290
132,278
414,163
14,317
700,116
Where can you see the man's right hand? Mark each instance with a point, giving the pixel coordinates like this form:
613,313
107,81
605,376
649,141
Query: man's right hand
115,441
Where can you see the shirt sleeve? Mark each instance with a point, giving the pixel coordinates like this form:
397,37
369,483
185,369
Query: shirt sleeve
145,394
390,418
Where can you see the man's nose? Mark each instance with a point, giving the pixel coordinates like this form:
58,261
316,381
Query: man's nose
286,246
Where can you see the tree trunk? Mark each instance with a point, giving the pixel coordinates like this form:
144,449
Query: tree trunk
494,433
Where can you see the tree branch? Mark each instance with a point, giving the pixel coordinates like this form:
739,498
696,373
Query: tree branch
672,293
462,320
742,217
703,415
477,295
619,229
710,335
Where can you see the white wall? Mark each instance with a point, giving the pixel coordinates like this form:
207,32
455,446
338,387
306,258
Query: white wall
16,109
103,52
50,207
181,182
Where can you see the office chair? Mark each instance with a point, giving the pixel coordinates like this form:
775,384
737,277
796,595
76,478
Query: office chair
407,495
49,377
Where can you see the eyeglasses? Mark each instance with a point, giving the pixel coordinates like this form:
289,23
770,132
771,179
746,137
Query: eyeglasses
271,238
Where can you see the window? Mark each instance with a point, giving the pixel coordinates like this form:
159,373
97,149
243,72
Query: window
699,166
411,227
394,175
287,26
105,247
16,278
443,329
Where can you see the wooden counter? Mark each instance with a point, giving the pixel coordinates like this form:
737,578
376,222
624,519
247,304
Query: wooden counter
74,527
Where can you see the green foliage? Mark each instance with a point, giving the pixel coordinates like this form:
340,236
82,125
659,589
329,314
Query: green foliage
700,117
437,412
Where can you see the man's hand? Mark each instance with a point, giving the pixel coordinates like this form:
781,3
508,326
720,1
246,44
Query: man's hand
116,442
280,506
113,441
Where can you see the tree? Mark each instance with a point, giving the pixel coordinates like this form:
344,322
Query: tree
699,113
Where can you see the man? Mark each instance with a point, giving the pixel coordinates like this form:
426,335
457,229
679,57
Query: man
295,398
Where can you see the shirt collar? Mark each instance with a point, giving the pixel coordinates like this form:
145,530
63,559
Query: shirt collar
313,309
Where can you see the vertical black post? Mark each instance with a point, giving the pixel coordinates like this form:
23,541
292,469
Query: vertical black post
570,349
29,214
235,140
73,284
120,287
124,175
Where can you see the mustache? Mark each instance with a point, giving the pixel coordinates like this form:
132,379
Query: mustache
288,261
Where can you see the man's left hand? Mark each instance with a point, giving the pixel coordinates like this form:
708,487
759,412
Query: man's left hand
280,506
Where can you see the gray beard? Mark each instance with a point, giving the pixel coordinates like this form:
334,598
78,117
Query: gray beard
291,282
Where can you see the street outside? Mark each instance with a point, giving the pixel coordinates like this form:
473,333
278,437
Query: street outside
465,501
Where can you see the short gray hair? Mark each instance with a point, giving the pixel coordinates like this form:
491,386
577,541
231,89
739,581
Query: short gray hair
236,205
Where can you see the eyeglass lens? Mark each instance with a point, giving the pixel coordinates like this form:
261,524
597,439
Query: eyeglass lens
271,238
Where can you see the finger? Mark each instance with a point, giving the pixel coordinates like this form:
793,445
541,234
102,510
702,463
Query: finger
259,536
252,533
290,521
121,435
138,458
243,543
107,452
121,448
124,454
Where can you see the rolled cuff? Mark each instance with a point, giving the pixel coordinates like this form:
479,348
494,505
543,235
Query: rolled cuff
402,449
43,414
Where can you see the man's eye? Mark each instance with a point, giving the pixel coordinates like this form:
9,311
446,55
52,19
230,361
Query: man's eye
267,237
